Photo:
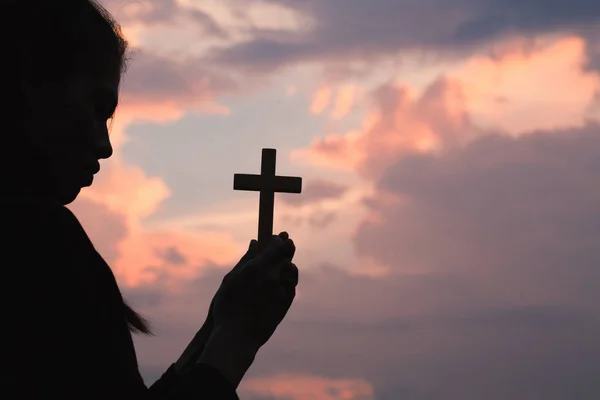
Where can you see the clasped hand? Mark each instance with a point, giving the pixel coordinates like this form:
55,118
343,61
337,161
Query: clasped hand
257,293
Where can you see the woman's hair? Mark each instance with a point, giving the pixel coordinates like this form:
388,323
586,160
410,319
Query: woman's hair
46,41
51,40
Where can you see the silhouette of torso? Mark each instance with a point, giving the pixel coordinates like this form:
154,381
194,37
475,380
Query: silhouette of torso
65,331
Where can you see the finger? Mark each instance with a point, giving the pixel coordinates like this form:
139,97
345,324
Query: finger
287,294
250,254
290,251
267,254
291,247
283,253
263,248
278,251
273,250
289,274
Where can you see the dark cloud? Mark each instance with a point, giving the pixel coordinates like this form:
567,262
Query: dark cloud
500,193
418,337
511,228
353,29
173,255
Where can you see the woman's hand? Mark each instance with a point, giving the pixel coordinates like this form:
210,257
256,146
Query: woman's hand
251,302
257,294
198,344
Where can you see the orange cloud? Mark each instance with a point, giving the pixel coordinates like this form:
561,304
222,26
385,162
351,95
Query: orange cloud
517,91
297,387
332,151
321,100
522,89
126,194
341,100
344,101
399,122
160,111
126,191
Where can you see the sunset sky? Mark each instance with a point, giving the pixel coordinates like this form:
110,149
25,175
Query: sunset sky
448,233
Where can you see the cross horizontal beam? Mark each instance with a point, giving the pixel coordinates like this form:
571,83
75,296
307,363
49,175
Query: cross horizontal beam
255,183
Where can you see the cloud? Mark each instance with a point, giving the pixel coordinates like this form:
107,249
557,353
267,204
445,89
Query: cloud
173,256
159,89
507,230
321,99
399,122
332,151
381,28
113,211
507,91
492,255
341,101
408,335
316,191
309,388
485,194
510,90
489,241
156,12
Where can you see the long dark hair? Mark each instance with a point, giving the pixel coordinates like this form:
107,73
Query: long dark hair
50,41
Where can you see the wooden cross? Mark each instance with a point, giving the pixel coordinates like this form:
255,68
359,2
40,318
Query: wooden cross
267,183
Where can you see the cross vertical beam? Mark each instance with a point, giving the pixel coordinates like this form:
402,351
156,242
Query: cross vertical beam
266,202
267,183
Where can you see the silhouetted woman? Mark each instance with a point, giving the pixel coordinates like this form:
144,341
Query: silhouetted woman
66,330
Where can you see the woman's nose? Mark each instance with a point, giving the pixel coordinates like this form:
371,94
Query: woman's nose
103,148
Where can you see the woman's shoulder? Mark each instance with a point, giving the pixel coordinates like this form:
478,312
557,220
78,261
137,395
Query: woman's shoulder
41,214
48,249
41,226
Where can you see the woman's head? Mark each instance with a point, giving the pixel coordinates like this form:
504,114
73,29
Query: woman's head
63,63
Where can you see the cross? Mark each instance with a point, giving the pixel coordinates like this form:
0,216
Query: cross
267,183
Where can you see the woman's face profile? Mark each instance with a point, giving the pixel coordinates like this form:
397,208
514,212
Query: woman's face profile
67,124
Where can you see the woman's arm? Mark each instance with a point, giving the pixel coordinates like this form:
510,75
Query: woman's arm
225,352
221,366
228,351
195,348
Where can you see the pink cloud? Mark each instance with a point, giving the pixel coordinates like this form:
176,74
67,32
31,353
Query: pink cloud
321,100
340,100
316,191
123,196
524,87
160,89
399,122
296,387
510,92
344,101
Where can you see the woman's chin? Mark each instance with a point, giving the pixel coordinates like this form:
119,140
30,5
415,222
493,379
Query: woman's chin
68,196
87,181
